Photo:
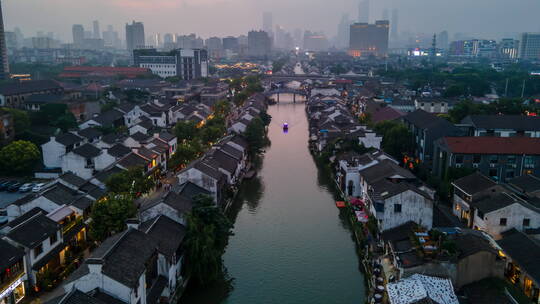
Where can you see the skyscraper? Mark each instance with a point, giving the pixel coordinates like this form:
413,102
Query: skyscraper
259,44
385,14
134,36
78,34
363,11
96,30
394,24
529,47
442,39
343,31
4,64
268,23
369,39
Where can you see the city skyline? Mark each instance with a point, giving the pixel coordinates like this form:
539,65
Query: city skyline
491,19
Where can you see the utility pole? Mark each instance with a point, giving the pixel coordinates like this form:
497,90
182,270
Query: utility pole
523,89
506,88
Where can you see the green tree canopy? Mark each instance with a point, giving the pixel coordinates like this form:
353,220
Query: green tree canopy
255,135
132,181
109,215
185,130
208,231
19,157
397,140
21,120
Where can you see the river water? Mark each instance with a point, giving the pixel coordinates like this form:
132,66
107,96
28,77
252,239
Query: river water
290,243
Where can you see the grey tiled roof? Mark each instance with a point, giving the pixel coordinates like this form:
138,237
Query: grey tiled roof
72,179
168,234
68,139
90,133
87,151
513,244
505,122
34,231
119,150
474,183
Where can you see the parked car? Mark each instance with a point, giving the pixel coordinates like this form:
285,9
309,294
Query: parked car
14,187
38,187
26,187
5,185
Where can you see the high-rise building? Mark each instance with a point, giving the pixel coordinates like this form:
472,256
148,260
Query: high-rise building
214,45
529,46
78,34
315,41
134,36
268,23
4,64
508,48
342,40
394,24
385,14
363,11
442,40
230,43
96,30
185,64
369,39
259,44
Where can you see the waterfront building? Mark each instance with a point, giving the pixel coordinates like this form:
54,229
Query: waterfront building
529,46
187,64
369,39
501,125
134,36
395,196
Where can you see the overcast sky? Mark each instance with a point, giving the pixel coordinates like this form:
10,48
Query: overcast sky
484,18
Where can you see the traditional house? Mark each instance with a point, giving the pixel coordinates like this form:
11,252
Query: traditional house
522,267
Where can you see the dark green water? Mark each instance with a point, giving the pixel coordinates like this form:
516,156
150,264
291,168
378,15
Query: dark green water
290,245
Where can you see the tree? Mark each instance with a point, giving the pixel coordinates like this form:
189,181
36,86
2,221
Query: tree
397,139
255,135
109,215
222,108
185,130
265,117
56,115
132,181
208,231
211,134
21,120
186,153
19,157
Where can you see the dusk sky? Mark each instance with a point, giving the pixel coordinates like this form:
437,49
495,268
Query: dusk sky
486,18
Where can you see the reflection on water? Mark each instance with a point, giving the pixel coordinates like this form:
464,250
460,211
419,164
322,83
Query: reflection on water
290,243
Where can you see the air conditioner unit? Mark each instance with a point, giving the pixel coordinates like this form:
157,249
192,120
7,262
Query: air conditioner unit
475,165
492,165
459,165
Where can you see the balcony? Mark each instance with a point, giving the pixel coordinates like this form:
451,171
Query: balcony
13,279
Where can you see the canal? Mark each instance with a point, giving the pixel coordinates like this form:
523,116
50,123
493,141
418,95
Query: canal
290,243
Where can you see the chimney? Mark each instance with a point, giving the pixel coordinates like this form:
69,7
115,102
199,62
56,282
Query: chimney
94,265
133,223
